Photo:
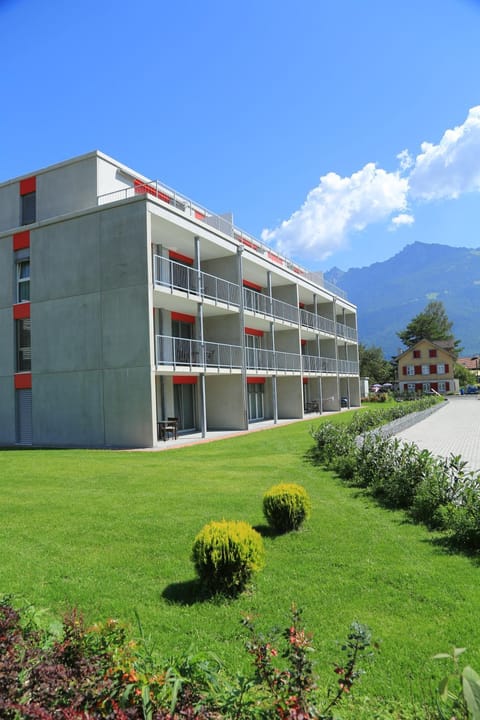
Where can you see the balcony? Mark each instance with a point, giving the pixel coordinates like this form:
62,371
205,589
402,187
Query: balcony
176,276
184,354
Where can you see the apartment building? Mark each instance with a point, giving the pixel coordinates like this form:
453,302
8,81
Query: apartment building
427,366
123,303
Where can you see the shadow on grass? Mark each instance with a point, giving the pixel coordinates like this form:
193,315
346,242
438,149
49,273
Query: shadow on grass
192,592
267,532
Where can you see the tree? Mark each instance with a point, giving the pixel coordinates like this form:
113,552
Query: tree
431,324
464,375
373,364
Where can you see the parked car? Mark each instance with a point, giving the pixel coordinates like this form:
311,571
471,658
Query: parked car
471,390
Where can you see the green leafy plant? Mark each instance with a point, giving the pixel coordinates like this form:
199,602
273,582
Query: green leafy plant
460,688
286,506
226,554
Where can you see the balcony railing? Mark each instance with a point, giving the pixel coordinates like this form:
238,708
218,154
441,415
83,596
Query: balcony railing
317,322
189,354
346,332
177,276
186,354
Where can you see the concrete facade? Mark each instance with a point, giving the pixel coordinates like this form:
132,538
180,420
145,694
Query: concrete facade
123,303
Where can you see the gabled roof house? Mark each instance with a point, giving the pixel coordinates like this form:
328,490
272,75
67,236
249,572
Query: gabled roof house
427,366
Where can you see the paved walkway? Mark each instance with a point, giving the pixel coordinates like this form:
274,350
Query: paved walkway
454,429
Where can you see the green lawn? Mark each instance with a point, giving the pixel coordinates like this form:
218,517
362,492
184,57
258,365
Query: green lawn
111,532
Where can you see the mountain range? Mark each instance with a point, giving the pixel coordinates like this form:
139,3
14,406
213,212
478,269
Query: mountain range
389,294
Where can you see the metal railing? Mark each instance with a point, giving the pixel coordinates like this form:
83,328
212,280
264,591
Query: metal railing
182,277
185,353
317,322
189,354
319,365
345,331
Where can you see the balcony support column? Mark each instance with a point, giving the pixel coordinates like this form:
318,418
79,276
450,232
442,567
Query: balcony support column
272,333
241,309
203,395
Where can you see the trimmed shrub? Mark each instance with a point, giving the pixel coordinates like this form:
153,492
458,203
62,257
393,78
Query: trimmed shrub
286,506
226,554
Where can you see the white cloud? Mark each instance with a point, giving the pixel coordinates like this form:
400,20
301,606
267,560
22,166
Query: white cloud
451,168
337,206
406,160
401,220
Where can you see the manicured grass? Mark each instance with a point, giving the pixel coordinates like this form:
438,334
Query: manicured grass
111,532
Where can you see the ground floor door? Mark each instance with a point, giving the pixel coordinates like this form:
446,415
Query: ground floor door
184,405
255,401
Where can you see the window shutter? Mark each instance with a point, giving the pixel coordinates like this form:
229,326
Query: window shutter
418,369
433,369
404,370
447,369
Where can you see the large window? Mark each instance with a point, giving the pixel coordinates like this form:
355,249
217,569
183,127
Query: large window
410,369
425,369
441,369
24,349
28,208
23,281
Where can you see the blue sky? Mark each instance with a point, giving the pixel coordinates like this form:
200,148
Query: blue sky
336,131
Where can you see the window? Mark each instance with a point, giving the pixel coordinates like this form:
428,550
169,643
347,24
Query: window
23,281
411,387
442,387
24,349
432,353
440,369
426,387
410,369
425,369
28,208
417,354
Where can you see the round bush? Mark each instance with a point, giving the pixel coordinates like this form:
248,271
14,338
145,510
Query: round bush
226,555
286,506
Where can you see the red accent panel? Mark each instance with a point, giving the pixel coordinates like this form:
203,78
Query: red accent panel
21,311
21,240
253,331
141,188
255,380
251,285
275,258
28,185
303,342
199,215
249,244
185,379
305,381
301,305
183,318
181,258
23,381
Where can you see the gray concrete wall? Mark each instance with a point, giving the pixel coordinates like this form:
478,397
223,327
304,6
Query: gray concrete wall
225,402
287,293
290,397
91,383
223,329
67,188
7,343
9,206
7,410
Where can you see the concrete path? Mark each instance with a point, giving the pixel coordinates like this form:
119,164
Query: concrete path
454,429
